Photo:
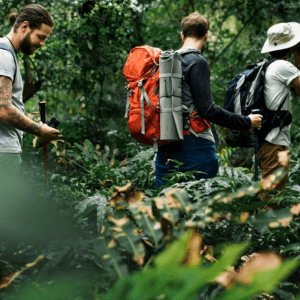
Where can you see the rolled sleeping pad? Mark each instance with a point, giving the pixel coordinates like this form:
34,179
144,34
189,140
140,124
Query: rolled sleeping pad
170,96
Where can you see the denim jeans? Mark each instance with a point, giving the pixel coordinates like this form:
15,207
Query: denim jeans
196,154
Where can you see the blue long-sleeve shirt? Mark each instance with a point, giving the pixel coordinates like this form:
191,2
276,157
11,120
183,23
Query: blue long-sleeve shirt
196,88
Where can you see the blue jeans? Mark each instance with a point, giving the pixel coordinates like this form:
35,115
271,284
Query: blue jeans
196,154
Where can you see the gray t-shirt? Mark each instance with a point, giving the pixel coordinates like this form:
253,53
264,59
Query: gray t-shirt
11,138
279,76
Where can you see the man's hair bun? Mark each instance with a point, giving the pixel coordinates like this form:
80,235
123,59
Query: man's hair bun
12,17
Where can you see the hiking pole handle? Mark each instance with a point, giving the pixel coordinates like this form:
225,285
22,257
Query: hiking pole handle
42,107
256,130
255,112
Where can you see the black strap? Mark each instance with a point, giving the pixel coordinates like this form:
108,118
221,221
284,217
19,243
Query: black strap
215,134
280,106
5,47
270,60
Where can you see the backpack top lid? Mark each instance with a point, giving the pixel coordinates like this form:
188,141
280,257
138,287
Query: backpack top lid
140,62
246,89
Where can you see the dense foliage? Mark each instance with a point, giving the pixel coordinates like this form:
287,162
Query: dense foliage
102,229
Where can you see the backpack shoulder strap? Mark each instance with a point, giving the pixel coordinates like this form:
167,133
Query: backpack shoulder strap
189,50
280,106
269,61
3,46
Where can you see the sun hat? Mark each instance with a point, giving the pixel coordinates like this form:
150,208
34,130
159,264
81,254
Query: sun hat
282,36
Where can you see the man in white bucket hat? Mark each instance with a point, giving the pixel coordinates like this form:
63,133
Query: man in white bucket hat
283,41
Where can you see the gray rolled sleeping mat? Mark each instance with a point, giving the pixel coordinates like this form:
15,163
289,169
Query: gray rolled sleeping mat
170,96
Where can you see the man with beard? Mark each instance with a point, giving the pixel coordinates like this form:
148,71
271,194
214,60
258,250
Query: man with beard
30,29
197,151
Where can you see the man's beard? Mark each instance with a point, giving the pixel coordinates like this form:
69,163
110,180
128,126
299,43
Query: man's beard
26,46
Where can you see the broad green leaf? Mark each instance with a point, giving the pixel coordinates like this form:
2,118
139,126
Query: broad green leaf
174,254
293,247
90,45
262,282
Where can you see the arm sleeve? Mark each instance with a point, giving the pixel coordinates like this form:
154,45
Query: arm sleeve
287,72
199,82
7,64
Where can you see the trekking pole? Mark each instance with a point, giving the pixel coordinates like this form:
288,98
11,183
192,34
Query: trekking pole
256,131
43,119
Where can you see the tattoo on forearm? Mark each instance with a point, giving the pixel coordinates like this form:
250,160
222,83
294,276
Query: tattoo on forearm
5,92
15,118
34,128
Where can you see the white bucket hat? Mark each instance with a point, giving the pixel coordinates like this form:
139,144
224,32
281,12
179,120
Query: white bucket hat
282,36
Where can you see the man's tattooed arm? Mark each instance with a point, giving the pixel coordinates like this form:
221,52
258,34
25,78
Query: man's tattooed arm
12,116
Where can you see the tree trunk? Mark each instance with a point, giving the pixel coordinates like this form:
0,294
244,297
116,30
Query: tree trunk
100,97
31,85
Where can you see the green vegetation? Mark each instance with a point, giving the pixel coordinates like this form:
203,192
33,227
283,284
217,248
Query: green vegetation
103,230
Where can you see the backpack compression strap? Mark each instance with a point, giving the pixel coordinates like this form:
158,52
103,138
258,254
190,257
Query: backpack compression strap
5,47
144,96
128,94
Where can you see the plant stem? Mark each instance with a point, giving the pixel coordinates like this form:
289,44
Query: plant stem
151,230
77,164
113,260
150,260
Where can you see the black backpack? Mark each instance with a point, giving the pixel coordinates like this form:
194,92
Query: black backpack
246,92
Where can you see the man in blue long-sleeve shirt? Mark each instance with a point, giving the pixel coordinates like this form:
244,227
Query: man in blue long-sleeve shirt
198,152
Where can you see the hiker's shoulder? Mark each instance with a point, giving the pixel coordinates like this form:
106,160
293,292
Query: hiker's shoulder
194,57
281,66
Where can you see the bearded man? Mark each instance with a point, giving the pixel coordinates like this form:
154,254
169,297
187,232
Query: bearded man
30,29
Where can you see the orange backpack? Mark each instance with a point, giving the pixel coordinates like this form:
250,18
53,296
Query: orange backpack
141,71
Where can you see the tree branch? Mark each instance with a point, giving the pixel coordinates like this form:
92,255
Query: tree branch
226,14
235,38
31,86
37,71
168,12
192,5
229,45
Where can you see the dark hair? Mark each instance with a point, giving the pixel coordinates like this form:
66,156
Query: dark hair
194,25
280,53
34,14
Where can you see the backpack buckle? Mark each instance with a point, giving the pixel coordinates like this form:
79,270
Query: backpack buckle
140,83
